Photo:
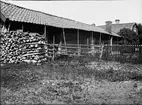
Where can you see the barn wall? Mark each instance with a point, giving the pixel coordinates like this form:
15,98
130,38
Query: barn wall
83,36
27,27
56,32
70,34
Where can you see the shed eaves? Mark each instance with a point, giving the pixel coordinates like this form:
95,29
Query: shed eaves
20,14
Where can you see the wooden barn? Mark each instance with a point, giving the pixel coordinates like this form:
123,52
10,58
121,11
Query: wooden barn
61,30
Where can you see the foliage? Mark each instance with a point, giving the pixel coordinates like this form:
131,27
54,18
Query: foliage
140,32
129,36
140,29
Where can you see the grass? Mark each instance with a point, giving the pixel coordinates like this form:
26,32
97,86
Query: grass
22,74
26,79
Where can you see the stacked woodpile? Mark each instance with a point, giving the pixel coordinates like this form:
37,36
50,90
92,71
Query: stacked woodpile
18,46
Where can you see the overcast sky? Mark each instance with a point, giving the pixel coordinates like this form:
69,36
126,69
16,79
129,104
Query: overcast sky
89,11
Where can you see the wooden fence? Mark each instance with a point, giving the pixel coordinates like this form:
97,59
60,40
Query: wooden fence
123,53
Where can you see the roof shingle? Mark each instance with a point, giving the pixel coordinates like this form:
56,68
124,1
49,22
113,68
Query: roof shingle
16,13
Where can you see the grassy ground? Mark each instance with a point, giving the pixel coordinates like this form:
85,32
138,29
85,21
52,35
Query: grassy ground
77,80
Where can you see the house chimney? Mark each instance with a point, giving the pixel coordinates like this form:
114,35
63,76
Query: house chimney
117,21
108,26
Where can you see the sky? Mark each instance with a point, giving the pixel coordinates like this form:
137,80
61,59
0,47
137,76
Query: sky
89,12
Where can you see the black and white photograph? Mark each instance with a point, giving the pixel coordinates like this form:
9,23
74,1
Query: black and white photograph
76,52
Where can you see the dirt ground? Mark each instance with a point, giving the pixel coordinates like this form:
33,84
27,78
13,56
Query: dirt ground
90,91
123,92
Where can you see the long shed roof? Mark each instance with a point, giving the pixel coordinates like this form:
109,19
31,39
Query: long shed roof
20,14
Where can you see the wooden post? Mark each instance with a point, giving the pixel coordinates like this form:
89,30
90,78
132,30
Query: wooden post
45,36
117,40
53,48
64,39
45,31
22,27
87,43
9,27
92,38
3,28
92,41
111,41
111,44
78,42
100,40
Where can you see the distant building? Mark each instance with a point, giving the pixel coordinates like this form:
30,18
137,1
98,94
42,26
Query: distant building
118,26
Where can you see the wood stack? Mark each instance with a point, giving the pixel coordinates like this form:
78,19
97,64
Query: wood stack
17,46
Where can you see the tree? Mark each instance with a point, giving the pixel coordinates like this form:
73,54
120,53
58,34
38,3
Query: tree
140,32
129,36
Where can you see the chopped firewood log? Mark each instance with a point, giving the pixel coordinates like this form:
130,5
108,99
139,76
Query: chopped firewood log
17,46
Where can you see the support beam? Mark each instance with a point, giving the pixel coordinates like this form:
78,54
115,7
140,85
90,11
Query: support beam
53,48
46,38
64,39
100,40
117,41
78,43
92,38
92,41
3,28
87,43
9,27
45,31
111,39
111,43
22,27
